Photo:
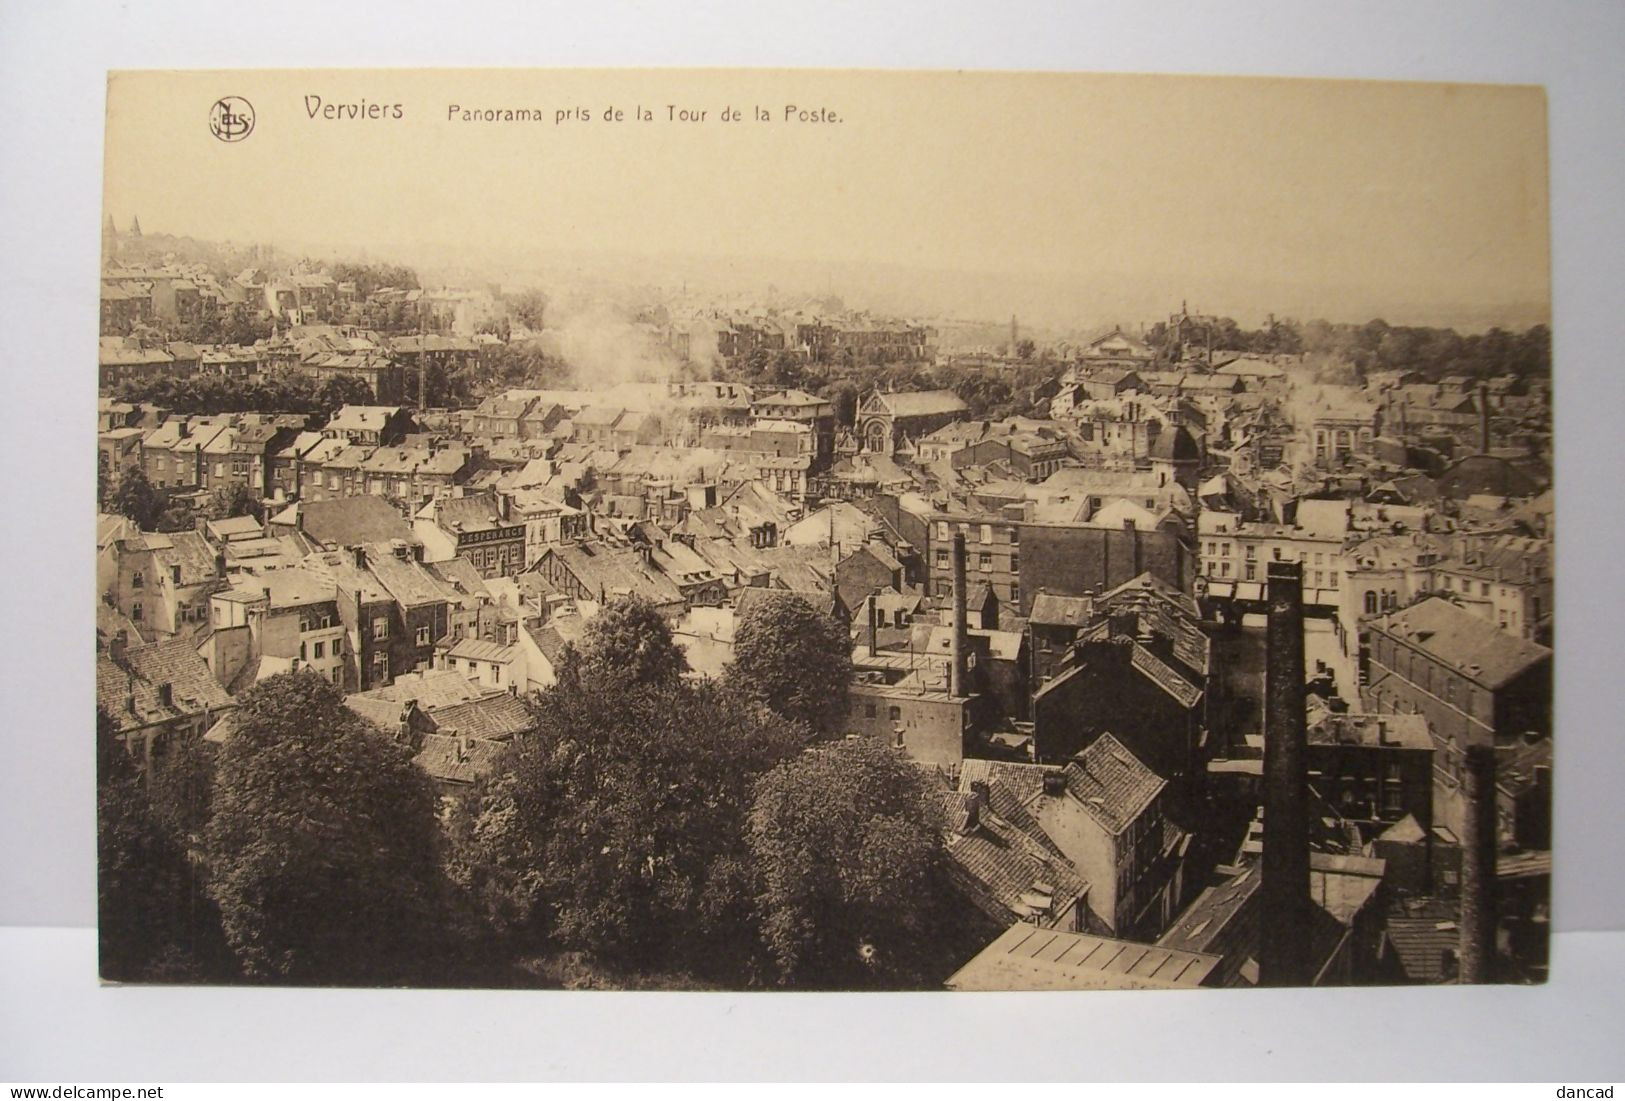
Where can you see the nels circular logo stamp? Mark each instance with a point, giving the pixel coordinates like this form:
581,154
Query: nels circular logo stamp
231,118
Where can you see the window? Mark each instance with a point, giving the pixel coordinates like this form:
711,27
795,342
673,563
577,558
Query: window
1225,549
135,612
985,561
1015,563
136,581
942,558
1252,571
1277,553
1484,589
338,674
423,636
496,673
319,650
175,574
380,627
987,533
1252,552
895,714
1015,536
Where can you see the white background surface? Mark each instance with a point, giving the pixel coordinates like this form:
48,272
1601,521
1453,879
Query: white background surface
53,62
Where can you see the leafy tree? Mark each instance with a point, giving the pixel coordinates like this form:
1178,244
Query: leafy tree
795,660
322,841
156,924
618,830
137,498
339,391
757,362
785,370
627,641
983,394
1025,349
528,307
847,853
844,396
232,500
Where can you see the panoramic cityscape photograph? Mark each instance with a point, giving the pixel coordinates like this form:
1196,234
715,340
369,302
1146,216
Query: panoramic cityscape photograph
819,530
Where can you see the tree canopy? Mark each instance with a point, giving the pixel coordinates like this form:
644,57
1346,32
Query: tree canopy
322,841
846,851
155,922
138,499
619,828
795,660
628,641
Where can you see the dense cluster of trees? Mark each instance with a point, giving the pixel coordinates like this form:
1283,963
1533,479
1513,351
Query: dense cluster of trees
155,509
660,827
1379,346
277,392
987,396
236,324
373,277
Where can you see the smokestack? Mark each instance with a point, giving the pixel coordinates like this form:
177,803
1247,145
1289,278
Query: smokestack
1283,950
1478,867
956,685
874,615
423,381
1133,546
1483,418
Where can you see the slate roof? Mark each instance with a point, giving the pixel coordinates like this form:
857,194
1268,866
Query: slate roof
351,521
407,581
495,718
1161,674
922,403
1055,610
1008,861
1198,928
1111,783
129,691
1421,934
478,649
433,689
458,760
1464,641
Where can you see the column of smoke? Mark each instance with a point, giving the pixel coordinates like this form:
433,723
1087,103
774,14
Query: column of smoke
605,347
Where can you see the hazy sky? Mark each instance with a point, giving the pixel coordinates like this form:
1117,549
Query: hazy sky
1082,196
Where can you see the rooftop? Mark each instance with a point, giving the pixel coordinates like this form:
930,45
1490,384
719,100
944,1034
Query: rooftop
1025,957
1464,641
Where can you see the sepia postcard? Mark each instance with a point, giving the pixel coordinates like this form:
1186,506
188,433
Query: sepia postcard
823,530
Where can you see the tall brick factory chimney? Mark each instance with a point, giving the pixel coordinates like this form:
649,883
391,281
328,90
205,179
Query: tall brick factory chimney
1478,867
956,676
1283,948
1483,418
